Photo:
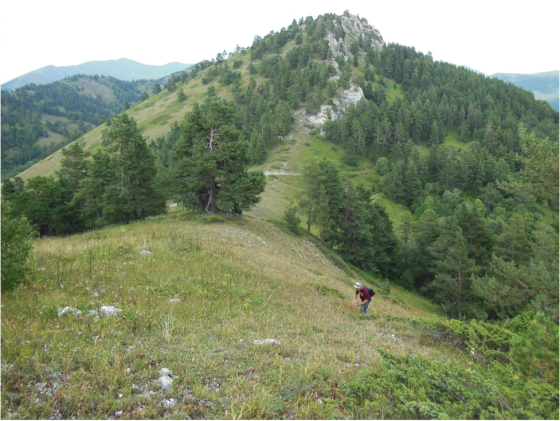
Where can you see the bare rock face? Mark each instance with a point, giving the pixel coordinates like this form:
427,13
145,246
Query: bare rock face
353,26
341,102
348,97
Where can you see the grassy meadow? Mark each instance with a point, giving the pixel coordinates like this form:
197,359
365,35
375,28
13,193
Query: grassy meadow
194,305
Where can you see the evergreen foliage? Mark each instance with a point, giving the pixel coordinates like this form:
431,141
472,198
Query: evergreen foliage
210,161
32,111
16,246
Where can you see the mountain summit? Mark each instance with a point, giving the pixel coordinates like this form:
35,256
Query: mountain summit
123,68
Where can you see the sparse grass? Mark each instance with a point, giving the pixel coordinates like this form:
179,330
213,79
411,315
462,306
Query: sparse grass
238,280
452,139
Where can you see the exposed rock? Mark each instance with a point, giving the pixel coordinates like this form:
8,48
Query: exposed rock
266,342
109,310
169,403
348,97
165,372
341,102
145,252
279,172
165,382
351,24
72,310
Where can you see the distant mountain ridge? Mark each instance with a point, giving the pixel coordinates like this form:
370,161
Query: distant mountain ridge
123,69
544,85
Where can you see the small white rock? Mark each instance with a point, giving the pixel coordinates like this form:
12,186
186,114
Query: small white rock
165,382
266,341
118,413
72,310
109,310
145,252
165,372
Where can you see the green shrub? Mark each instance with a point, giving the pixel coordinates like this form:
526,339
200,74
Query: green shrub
414,388
16,246
291,219
307,144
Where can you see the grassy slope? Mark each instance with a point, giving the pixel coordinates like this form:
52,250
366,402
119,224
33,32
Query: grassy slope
154,116
236,282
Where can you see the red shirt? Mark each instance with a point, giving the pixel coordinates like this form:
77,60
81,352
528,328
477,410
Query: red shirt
364,294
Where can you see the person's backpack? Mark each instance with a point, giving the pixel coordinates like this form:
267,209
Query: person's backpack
371,292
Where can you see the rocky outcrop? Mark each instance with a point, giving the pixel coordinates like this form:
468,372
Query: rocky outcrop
341,103
353,26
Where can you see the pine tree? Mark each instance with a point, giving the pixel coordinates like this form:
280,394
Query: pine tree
426,231
512,245
412,184
92,187
478,237
354,242
291,218
211,161
434,134
321,213
132,194
358,135
73,165
453,270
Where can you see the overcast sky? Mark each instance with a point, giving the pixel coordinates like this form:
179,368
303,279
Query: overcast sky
492,36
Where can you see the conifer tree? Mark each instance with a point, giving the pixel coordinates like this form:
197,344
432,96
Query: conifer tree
412,184
73,165
355,241
132,194
512,245
211,161
453,270
92,187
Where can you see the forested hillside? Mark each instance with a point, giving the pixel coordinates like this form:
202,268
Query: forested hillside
37,120
434,184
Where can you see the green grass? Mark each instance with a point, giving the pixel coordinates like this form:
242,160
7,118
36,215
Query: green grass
452,139
393,93
236,281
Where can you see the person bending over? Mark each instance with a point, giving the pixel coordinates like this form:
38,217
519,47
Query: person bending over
365,297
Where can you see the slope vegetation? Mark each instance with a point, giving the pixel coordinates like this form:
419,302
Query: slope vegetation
39,120
219,316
